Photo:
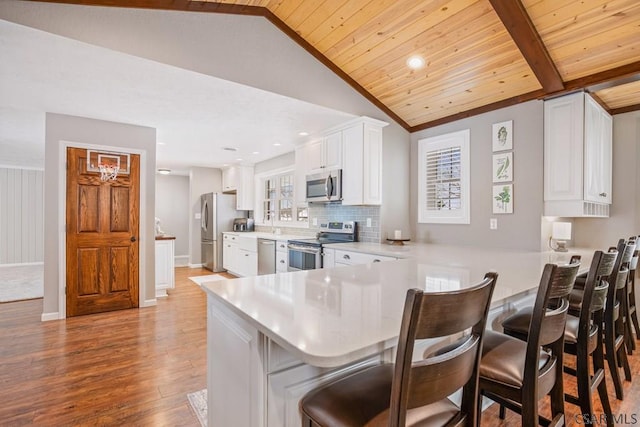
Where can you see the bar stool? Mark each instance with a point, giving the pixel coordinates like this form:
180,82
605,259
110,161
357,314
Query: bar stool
515,373
614,324
414,392
631,284
582,336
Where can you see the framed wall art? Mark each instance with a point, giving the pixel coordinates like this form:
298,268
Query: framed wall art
502,200
502,167
502,136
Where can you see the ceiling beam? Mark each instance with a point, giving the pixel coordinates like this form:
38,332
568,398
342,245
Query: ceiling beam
627,109
517,22
624,74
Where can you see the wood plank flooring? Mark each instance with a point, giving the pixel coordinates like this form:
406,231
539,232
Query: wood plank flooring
131,367
135,367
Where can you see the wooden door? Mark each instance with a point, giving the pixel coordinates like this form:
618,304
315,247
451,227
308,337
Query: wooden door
102,237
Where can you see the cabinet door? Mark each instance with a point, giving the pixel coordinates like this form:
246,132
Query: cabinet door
597,152
333,151
164,264
229,254
245,188
302,169
282,262
229,179
247,263
353,151
315,157
328,258
563,147
372,166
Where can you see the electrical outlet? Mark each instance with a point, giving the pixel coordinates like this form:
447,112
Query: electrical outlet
368,222
493,223
315,221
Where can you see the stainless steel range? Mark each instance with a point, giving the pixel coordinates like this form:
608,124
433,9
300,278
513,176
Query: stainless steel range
306,254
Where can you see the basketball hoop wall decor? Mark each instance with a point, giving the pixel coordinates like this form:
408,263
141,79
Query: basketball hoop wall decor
109,164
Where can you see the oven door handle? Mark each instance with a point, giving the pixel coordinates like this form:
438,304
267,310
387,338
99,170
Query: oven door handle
304,249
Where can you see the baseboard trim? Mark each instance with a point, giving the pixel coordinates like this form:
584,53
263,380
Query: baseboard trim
49,316
195,265
148,303
21,264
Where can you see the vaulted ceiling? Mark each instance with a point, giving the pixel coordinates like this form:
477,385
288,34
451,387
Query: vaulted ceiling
479,55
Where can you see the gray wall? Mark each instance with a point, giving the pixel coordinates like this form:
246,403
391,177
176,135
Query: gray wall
201,180
520,230
21,216
62,128
172,208
624,219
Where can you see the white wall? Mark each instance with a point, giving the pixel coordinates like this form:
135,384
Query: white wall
520,230
172,208
247,50
62,129
21,216
201,180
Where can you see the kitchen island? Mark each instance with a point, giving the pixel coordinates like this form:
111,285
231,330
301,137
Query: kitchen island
272,338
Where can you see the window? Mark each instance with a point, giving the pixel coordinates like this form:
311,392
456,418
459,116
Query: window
443,174
277,203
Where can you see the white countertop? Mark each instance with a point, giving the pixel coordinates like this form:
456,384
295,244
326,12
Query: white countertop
330,317
265,235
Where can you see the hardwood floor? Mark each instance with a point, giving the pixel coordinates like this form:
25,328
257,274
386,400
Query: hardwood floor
135,367
131,367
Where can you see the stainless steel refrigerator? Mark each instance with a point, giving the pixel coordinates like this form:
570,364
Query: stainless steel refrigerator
217,214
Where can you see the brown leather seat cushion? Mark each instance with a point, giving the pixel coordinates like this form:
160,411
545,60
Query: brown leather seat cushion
519,321
362,399
503,358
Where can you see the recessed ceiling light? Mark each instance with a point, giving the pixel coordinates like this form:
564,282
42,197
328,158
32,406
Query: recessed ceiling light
225,164
415,62
164,171
256,152
277,144
239,160
229,149
303,133
161,143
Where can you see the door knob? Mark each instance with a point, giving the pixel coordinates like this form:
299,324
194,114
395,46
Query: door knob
133,238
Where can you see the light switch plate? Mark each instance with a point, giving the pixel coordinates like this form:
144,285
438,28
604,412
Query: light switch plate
315,221
197,215
368,222
493,223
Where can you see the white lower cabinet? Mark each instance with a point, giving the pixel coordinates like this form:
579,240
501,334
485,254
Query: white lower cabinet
356,258
282,256
240,254
165,273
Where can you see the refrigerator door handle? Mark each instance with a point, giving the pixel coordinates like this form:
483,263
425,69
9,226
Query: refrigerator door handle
203,215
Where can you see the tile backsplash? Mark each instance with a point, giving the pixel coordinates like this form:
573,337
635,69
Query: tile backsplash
336,212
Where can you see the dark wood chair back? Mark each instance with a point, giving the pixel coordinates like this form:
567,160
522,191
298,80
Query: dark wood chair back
618,278
595,291
547,326
433,315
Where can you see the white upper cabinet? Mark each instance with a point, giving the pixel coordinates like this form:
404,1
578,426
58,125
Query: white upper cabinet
356,148
577,157
326,153
238,180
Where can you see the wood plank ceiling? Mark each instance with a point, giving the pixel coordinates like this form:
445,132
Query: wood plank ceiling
479,54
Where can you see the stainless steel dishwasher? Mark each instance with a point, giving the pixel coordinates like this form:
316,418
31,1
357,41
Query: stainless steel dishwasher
266,256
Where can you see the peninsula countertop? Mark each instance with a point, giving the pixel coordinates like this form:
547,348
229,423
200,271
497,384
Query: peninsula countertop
331,317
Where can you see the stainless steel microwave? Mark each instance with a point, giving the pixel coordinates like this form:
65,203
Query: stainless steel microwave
324,186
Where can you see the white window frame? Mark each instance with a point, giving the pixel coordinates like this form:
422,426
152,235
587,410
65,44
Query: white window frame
258,212
459,139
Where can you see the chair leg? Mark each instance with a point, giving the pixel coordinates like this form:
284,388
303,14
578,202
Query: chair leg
557,392
503,412
612,361
584,382
624,361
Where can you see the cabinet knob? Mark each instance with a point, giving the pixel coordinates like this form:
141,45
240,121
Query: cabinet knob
376,260
603,194
281,261
346,257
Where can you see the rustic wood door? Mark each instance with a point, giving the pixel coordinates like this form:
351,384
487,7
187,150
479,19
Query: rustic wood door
102,237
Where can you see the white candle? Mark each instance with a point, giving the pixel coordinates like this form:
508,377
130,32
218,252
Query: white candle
397,234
